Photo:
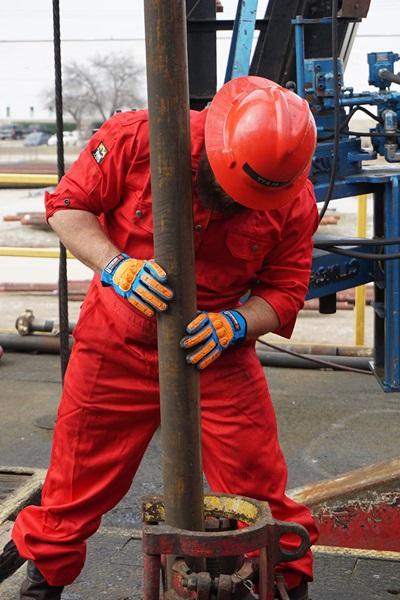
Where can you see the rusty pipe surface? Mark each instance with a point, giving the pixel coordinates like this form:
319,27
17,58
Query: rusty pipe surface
170,158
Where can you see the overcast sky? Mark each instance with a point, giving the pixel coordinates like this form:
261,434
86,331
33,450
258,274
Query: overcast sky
26,30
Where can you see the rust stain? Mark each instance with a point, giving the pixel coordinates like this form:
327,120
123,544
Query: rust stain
380,475
231,507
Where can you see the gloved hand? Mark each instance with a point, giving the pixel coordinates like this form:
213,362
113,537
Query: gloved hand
141,282
211,334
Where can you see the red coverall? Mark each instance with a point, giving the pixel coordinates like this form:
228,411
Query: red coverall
110,406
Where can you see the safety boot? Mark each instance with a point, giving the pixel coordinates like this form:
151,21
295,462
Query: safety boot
300,592
10,560
35,587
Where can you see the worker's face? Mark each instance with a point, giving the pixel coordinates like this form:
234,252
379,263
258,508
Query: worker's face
211,193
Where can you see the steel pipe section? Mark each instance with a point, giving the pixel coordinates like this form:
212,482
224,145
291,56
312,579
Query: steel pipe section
43,344
276,359
50,344
170,152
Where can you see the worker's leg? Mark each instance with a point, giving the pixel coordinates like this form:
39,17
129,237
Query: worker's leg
107,416
241,452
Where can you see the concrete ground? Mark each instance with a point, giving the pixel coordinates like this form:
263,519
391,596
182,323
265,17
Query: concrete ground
329,423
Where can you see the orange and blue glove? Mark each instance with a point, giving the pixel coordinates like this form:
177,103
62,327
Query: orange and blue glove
141,282
210,334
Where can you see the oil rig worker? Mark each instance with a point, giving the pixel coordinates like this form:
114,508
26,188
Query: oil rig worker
254,216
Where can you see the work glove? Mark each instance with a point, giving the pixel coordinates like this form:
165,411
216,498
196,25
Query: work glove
141,282
210,334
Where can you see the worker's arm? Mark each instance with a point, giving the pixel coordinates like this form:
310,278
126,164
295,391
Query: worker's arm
260,317
141,282
284,279
92,187
274,300
81,233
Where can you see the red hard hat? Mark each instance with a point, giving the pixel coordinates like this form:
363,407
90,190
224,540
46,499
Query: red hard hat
260,139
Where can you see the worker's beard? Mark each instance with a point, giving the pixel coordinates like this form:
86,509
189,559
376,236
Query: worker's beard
211,193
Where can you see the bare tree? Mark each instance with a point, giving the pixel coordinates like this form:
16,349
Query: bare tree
99,87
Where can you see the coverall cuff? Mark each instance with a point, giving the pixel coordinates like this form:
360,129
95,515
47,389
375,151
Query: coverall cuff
284,308
63,201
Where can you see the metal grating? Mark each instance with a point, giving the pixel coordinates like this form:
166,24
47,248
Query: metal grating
10,482
19,486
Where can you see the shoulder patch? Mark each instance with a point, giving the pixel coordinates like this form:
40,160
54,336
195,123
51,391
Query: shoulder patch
99,153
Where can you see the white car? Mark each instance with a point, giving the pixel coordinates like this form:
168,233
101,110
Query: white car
71,138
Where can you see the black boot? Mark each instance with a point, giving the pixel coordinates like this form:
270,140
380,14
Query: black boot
35,587
10,560
300,592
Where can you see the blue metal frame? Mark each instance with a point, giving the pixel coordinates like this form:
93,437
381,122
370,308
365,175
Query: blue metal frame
242,39
391,380
331,272
300,54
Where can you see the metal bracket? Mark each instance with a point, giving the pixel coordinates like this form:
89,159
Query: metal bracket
262,533
354,9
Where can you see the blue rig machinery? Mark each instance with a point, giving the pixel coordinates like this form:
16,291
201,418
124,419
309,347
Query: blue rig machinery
339,171
290,32
304,44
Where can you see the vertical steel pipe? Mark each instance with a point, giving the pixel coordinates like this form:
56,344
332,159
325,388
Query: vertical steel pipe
171,182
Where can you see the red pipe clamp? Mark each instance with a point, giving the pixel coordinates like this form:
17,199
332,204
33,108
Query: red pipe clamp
250,578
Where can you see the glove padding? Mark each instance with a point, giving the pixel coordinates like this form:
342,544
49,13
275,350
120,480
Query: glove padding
141,282
211,334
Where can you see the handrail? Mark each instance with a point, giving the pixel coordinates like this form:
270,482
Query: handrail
27,252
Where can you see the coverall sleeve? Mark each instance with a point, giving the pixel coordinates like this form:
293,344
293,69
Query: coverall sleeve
283,281
94,181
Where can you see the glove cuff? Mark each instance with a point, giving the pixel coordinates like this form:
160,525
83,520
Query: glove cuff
238,323
110,268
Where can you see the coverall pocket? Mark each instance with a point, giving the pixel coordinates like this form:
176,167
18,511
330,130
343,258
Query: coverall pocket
237,264
248,247
87,307
141,209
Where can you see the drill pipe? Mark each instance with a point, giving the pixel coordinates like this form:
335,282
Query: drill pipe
170,158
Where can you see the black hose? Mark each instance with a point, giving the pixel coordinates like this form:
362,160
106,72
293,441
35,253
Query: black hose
302,360
336,139
368,112
328,243
337,363
372,134
347,120
356,254
334,245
